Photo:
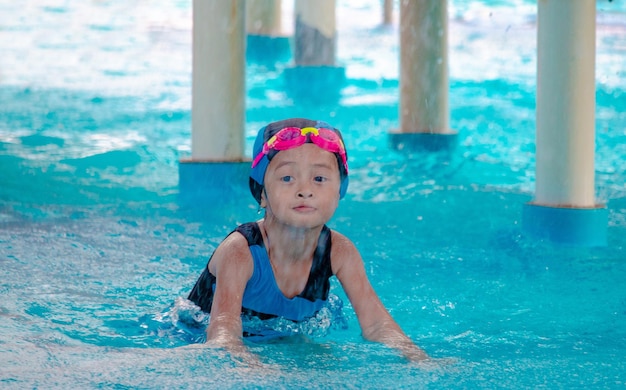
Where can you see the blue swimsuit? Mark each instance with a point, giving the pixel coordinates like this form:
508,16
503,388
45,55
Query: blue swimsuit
262,298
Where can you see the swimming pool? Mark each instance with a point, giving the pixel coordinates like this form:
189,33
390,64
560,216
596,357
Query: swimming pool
97,248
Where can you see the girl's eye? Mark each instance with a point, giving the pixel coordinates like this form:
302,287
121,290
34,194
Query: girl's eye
286,179
320,179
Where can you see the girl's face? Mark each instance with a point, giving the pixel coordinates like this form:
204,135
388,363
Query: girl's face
302,186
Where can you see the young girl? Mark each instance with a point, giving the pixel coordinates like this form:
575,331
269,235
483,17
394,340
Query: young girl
280,266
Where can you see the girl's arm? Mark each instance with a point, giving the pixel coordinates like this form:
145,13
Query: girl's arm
232,266
375,321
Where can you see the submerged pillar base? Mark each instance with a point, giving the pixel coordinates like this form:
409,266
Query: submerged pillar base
423,142
267,50
317,84
584,227
212,180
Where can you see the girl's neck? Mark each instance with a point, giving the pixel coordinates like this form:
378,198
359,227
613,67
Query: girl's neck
288,244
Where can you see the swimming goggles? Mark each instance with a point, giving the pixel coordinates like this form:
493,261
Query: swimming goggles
292,137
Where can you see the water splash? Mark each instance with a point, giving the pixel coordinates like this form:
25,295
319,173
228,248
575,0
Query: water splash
185,323
330,317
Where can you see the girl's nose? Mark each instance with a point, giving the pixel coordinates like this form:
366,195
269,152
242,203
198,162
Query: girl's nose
305,193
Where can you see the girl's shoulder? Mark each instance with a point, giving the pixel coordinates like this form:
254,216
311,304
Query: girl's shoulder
343,251
234,251
339,240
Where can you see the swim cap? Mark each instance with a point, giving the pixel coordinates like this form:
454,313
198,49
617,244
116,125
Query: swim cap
261,160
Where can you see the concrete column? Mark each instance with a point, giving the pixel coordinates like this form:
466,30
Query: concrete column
387,12
217,171
424,66
314,55
564,209
263,17
315,30
424,86
266,44
218,80
566,103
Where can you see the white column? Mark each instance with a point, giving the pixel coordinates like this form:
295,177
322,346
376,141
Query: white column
387,12
424,66
565,103
263,17
218,80
564,209
315,32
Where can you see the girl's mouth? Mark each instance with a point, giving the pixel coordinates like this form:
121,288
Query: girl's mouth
304,208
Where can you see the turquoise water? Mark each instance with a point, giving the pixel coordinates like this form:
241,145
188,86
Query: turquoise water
97,249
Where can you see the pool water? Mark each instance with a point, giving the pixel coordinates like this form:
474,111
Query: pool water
98,249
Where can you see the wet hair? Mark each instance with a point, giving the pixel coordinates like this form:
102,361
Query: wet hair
257,173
